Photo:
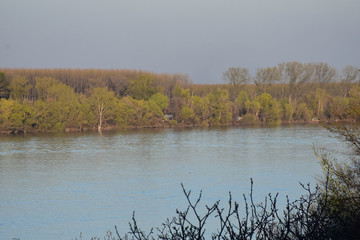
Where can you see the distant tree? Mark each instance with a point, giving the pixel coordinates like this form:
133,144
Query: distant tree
287,110
4,86
339,107
19,87
265,77
350,75
161,100
42,86
15,116
201,109
142,87
103,102
282,80
321,97
324,74
296,74
58,106
241,102
269,108
220,107
187,114
302,112
236,77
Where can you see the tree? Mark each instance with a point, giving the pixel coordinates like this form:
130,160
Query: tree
103,101
236,77
220,107
201,109
269,108
324,74
19,87
4,86
339,107
296,74
142,87
15,116
42,86
58,106
161,100
350,75
265,77
321,97
241,103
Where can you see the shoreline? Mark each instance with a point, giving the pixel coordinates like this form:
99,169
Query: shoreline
158,126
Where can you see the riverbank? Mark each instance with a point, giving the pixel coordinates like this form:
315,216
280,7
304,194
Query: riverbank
163,126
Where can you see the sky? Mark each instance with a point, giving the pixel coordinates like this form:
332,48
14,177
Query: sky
200,38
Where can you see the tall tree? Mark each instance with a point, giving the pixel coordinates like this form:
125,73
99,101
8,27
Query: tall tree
19,87
296,74
350,74
103,102
265,77
4,86
324,74
236,77
42,86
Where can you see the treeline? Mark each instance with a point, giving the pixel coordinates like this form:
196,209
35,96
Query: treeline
62,99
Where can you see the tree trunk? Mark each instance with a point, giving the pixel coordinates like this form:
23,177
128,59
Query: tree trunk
100,121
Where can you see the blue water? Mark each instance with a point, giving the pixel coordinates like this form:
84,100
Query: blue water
55,186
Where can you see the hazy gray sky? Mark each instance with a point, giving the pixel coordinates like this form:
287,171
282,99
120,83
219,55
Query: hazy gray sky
201,38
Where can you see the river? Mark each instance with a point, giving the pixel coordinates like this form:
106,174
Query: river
54,186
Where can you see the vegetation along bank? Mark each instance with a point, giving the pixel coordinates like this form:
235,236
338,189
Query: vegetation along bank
47,100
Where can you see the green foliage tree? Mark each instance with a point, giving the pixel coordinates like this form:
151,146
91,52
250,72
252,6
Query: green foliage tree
287,110
42,86
187,114
19,88
142,87
201,110
269,108
127,112
302,113
321,98
220,107
161,100
102,102
242,102
15,116
58,108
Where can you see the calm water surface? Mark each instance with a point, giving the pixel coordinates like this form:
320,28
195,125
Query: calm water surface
56,186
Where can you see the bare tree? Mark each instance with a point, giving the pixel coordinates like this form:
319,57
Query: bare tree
350,74
236,77
323,73
265,77
296,74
